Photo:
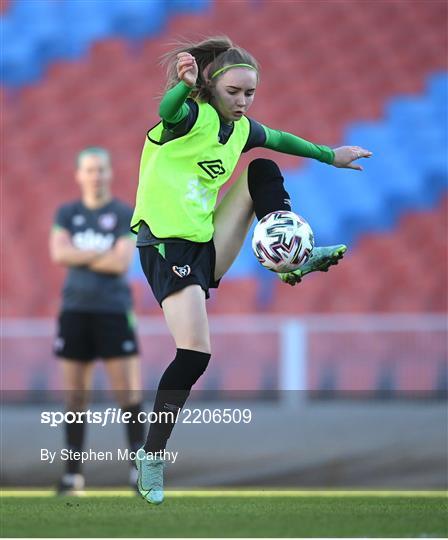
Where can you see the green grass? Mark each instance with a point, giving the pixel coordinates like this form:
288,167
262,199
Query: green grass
231,514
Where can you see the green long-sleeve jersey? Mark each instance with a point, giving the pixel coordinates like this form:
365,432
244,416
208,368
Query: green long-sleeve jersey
187,158
179,114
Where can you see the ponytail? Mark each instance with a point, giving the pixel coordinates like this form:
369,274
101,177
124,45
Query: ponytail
211,55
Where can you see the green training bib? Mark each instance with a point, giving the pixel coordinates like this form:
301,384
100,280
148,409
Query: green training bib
180,179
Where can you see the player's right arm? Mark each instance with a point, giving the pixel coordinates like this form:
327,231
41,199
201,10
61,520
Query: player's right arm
173,108
63,252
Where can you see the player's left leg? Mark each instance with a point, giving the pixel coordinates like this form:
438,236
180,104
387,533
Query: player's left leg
125,381
232,220
258,191
186,316
73,347
116,342
76,377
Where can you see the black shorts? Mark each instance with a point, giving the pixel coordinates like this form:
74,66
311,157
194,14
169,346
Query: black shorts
172,266
86,335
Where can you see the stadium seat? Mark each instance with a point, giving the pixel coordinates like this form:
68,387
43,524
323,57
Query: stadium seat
107,95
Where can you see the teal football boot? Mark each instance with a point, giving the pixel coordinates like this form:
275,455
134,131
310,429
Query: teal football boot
150,477
320,260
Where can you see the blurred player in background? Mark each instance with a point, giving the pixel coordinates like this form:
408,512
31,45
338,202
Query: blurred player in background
186,244
91,238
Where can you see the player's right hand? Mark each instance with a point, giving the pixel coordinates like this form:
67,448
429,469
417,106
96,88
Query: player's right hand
187,69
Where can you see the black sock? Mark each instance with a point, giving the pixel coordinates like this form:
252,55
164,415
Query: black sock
174,389
265,182
134,427
74,436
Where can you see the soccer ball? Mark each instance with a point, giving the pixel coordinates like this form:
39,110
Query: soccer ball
282,241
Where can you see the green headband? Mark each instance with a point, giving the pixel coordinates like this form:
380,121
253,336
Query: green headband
225,68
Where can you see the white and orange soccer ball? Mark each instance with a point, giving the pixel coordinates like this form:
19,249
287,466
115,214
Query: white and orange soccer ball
282,241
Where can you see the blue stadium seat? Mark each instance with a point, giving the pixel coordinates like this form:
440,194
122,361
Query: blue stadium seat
84,22
406,113
37,32
409,171
31,11
139,18
312,200
438,90
180,6
19,61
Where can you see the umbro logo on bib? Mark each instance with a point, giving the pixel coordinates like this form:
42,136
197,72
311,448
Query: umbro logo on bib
181,271
212,168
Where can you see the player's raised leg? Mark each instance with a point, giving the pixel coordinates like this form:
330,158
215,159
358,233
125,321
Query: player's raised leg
320,260
232,220
259,190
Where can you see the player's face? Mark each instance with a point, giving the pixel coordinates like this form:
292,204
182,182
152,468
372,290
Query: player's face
234,93
94,174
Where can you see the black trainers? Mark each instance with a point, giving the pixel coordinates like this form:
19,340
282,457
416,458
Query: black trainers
71,484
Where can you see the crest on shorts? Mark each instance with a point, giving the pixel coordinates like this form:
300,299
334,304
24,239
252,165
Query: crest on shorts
59,344
128,345
181,271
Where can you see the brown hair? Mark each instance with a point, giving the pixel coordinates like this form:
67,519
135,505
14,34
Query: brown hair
211,54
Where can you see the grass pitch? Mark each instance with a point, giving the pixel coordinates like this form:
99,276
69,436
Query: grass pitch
227,514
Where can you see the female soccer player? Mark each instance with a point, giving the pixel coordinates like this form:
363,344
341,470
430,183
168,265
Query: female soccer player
187,244
91,238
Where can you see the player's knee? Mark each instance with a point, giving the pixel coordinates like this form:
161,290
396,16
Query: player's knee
196,344
76,400
261,172
128,398
185,369
265,183
195,362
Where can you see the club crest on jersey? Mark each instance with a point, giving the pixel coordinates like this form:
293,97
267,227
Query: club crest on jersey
107,221
78,220
213,168
181,271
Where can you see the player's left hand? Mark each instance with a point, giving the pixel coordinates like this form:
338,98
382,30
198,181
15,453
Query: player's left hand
344,156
